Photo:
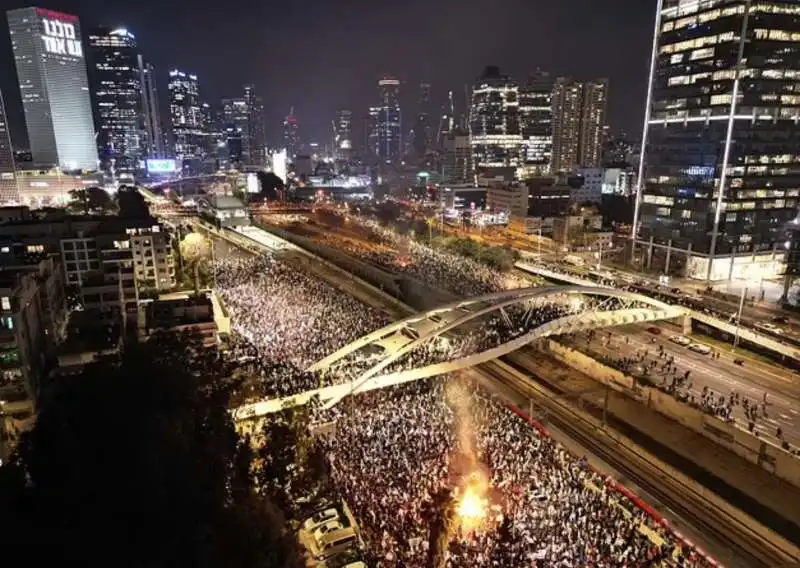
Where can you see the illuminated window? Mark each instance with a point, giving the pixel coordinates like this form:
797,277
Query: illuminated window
5,303
35,248
703,53
721,99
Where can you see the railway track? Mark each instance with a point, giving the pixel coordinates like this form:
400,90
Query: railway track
747,540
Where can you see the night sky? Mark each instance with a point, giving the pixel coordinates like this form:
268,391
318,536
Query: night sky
320,55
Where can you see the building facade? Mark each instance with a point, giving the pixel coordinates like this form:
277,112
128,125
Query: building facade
9,191
536,123
494,121
255,152
720,174
51,68
117,83
457,158
389,133
593,123
290,135
579,117
186,114
154,139
343,134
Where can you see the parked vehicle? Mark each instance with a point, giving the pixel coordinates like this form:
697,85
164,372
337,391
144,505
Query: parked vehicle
700,348
680,340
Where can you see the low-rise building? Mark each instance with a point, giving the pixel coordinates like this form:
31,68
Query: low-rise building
32,313
107,260
91,335
51,187
192,315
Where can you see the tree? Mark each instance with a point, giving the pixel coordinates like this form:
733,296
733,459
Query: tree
131,203
90,200
140,462
270,184
195,249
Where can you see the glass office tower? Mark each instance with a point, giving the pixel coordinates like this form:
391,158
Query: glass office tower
720,169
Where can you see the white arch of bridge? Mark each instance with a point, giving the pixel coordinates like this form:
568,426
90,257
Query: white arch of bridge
457,314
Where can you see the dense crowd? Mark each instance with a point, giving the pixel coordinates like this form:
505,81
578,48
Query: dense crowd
394,454
285,320
402,254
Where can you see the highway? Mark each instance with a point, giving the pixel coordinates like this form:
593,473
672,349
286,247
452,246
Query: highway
722,375
726,533
704,515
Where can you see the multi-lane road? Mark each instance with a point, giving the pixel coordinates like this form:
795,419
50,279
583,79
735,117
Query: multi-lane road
751,379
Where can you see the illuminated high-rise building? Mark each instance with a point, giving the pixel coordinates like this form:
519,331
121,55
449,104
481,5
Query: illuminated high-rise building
186,113
51,69
343,134
255,149
117,86
593,122
579,115
536,123
719,170
290,135
154,146
9,192
389,121
422,130
494,122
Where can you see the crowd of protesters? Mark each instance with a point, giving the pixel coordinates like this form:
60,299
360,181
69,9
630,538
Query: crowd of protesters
398,455
285,319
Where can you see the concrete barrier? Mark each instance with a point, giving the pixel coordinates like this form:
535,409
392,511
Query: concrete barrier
769,457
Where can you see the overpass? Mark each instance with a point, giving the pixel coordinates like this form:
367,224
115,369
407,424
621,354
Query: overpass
745,334
463,334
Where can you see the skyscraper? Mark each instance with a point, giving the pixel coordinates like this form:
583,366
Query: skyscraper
494,122
117,89
151,115
290,135
389,120
720,172
457,158
593,122
256,142
536,123
567,102
422,130
51,69
186,114
234,119
343,134
9,192
579,110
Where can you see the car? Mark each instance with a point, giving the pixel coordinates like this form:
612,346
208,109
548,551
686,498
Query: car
333,542
781,319
700,348
320,518
771,327
680,340
654,330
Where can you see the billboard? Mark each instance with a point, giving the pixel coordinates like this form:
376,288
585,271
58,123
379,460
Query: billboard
279,165
252,184
161,166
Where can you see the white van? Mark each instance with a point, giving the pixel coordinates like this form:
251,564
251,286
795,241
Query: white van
332,543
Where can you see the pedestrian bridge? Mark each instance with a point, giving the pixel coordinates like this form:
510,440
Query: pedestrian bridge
466,333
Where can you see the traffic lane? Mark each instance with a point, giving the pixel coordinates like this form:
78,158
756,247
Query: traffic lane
780,410
777,415
772,378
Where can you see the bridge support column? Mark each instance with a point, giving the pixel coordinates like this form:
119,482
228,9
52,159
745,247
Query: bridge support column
669,256
687,324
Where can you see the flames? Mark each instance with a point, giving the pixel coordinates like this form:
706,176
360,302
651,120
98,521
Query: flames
472,508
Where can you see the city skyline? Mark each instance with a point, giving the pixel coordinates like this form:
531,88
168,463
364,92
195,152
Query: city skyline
445,59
